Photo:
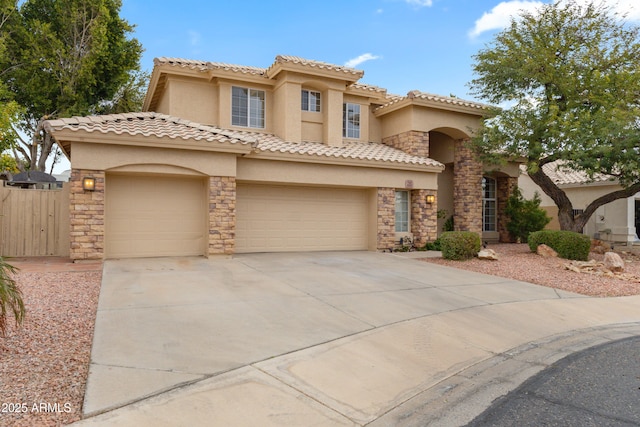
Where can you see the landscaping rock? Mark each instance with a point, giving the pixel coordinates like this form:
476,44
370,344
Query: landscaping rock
599,247
489,254
613,262
546,252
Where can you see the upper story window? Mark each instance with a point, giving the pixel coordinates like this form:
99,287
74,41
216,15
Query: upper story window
247,107
489,204
310,100
350,120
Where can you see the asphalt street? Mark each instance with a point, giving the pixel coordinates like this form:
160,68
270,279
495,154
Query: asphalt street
599,386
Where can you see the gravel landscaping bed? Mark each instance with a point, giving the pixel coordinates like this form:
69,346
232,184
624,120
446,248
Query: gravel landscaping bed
517,262
44,364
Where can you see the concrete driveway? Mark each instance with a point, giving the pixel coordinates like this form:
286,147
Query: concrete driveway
328,338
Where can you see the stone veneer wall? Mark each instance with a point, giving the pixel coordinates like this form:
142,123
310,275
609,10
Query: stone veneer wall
386,218
467,189
222,214
424,220
412,142
86,217
505,185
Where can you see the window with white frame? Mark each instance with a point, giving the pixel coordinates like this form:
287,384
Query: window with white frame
247,107
310,101
402,211
489,204
350,120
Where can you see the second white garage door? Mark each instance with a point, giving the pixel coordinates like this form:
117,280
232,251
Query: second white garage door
152,216
279,219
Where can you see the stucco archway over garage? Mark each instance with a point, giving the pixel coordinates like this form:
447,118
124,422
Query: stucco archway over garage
154,215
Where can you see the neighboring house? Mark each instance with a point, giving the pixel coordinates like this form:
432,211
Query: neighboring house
298,156
617,221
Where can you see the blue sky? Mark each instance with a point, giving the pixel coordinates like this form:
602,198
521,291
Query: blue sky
410,44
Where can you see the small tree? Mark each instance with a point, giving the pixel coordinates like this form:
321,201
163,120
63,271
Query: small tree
10,297
525,216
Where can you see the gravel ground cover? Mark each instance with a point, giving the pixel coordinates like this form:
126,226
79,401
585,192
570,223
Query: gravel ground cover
44,363
517,262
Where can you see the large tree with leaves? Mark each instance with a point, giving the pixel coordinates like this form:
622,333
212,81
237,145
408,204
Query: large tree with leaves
569,77
65,58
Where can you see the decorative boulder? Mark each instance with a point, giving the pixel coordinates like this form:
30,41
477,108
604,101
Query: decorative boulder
489,254
546,252
613,262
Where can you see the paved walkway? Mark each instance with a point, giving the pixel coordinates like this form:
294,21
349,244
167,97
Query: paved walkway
352,338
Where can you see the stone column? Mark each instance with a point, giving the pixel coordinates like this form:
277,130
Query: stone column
222,215
424,220
505,185
467,189
386,218
86,216
412,142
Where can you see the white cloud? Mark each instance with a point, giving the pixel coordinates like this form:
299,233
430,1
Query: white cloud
500,16
419,3
360,59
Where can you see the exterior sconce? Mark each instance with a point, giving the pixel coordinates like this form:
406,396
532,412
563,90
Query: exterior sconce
430,199
88,183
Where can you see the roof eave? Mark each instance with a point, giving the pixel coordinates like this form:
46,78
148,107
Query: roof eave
330,160
67,137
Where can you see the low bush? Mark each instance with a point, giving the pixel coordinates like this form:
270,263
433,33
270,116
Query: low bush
432,246
567,244
459,245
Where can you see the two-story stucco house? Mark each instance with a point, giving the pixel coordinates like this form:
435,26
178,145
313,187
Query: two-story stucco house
298,156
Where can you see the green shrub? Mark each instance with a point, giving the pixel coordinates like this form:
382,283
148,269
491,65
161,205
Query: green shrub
448,224
525,216
459,245
567,244
432,246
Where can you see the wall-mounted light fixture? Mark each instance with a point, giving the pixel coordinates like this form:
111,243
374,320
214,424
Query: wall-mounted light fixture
430,199
88,183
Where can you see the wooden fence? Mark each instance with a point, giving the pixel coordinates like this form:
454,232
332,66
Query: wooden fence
34,222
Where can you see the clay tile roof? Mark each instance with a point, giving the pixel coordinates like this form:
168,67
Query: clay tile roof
352,150
161,126
370,88
205,65
318,64
563,175
148,124
416,94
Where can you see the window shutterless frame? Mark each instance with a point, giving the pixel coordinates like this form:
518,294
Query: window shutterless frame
350,120
311,101
248,107
402,211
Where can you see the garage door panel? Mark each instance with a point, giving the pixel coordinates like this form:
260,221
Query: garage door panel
274,218
154,216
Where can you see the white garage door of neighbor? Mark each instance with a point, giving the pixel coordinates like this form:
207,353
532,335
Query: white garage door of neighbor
279,219
151,216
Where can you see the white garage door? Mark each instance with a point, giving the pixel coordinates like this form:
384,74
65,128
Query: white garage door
151,216
278,219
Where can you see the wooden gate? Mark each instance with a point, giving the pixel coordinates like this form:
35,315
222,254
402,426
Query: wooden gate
34,222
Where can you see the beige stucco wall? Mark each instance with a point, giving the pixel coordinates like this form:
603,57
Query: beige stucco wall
254,170
425,119
152,160
191,99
